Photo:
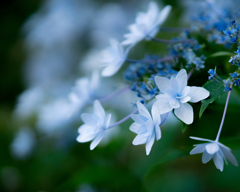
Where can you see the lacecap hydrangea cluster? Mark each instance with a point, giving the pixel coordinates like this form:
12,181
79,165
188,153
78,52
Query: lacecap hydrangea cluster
164,79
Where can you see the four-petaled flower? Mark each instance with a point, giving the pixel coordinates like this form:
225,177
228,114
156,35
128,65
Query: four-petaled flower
94,125
214,150
147,24
176,94
146,126
113,57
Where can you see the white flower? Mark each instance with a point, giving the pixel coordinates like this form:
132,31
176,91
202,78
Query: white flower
113,57
94,125
176,94
146,126
23,143
83,92
214,150
147,24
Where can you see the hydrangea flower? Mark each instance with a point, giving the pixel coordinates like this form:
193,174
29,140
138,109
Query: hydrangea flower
176,94
146,23
113,57
214,150
83,91
146,126
94,126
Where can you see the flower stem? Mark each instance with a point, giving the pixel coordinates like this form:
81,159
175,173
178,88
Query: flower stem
164,59
173,29
114,94
124,119
168,41
190,73
224,114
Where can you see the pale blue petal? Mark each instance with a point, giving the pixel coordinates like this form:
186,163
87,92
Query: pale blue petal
90,119
182,79
82,138
162,83
139,119
185,99
96,141
174,103
212,148
163,14
218,161
107,120
155,114
98,109
197,94
142,129
163,103
158,132
229,156
85,128
185,113
134,127
112,68
143,110
206,157
149,143
200,139
149,125
198,149
140,139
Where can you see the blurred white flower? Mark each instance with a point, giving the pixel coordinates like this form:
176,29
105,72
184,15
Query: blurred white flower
113,57
147,24
83,92
94,126
23,143
214,150
29,103
54,116
176,94
146,126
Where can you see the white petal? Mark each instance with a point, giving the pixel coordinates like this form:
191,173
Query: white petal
185,113
143,110
107,121
149,143
112,68
90,119
174,103
143,130
229,156
197,94
98,109
198,149
158,132
140,139
218,161
182,79
155,114
134,127
163,103
139,119
96,141
206,157
200,139
212,148
82,138
163,14
162,83
185,99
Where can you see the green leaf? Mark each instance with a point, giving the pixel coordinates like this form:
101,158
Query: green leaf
222,53
216,90
184,127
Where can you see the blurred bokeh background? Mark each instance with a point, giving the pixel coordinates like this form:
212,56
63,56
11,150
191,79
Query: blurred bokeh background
45,47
